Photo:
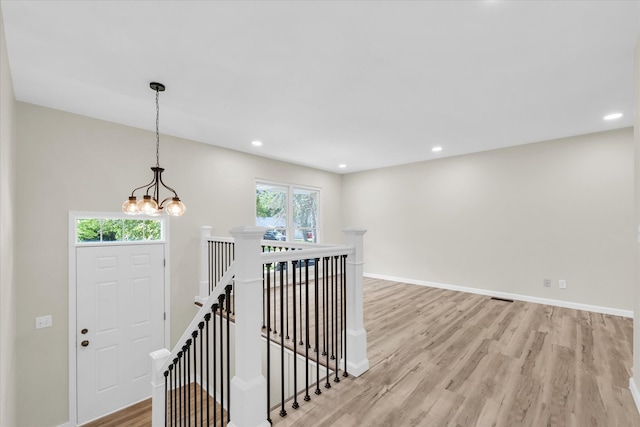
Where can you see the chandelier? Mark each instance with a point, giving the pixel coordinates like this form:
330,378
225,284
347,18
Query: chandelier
150,203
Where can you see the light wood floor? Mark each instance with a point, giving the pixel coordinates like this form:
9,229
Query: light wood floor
139,415
444,358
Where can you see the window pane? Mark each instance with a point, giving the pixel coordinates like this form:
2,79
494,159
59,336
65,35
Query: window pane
88,230
111,230
152,229
271,207
133,229
117,230
305,214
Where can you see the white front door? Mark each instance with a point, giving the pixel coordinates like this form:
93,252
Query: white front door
120,320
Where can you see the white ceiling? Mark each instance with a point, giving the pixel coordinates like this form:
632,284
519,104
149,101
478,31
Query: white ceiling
368,84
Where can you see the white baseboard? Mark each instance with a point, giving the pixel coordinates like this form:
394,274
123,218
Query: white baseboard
65,424
635,393
518,297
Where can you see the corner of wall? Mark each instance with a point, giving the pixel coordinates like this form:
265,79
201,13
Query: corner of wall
8,377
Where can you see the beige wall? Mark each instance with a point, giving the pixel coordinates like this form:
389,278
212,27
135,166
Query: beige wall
68,163
7,223
504,220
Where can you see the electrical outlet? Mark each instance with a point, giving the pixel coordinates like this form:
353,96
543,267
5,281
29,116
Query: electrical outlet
547,283
44,322
562,284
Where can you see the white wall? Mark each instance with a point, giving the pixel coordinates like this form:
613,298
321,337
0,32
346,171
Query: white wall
68,163
7,223
504,220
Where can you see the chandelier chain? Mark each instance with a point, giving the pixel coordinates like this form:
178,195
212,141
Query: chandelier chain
157,128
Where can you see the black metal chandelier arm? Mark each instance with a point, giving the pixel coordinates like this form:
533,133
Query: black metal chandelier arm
168,188
148,186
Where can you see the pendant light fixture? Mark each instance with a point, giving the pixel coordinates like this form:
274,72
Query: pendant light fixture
150,203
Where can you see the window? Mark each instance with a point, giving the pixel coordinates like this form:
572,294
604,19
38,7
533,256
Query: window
288,212
90,230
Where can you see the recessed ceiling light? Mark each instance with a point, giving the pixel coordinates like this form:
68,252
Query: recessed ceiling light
256,143
342,166
613,116
436,149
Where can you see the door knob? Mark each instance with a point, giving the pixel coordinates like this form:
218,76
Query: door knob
84,343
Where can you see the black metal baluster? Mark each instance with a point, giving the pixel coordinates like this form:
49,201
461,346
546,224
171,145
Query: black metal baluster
344,313
194,334
306,337
295,342
228,294
283,412
176,392
221,308
169,394
286,302
300,299
338,318
317,327
207,318
214,265
214,309
218,262
231,259
183,396
327,384
209,266
333,308
325,278
223,258
178,363
268,326
275,306
188,382
166,400
265,294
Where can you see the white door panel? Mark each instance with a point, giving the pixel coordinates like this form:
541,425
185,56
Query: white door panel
120,303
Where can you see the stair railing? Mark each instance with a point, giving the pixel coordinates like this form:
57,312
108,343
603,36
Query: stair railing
336,271
201,357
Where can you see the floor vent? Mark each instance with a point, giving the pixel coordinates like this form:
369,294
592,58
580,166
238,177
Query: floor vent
502,299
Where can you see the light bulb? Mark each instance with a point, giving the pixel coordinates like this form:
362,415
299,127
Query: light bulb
130,207
175,207
147,206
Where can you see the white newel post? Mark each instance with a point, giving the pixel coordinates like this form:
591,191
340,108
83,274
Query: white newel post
248,406
357,361
203,290
158,413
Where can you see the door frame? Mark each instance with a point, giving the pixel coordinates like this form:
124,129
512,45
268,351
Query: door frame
73,216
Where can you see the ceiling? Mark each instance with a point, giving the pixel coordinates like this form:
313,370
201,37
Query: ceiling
323,83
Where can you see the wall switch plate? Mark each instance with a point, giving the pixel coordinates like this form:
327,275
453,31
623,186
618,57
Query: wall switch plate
562,284
44,322
547,283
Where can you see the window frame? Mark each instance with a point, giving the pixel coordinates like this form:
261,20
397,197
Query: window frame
290,226
118,216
